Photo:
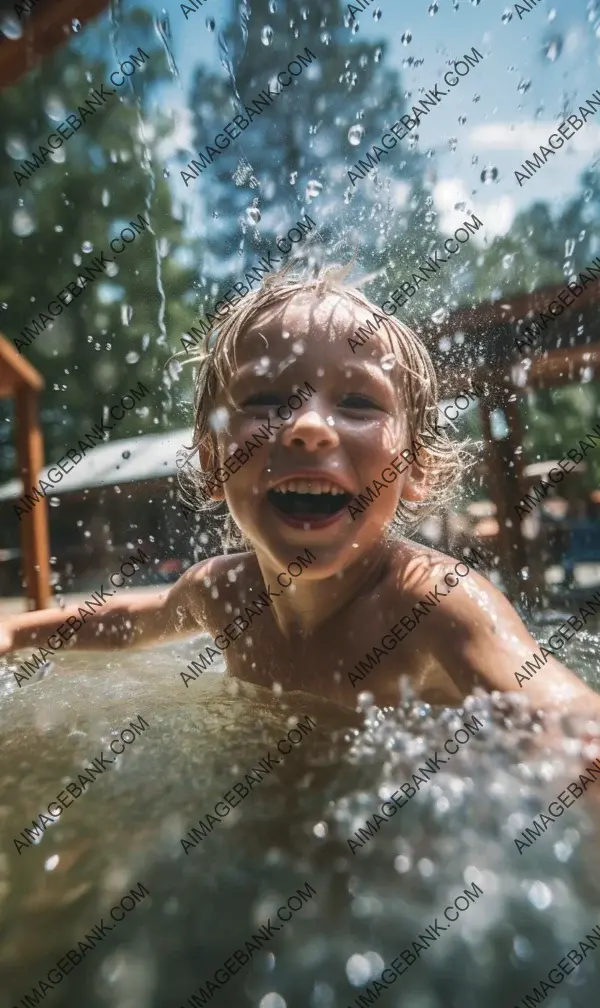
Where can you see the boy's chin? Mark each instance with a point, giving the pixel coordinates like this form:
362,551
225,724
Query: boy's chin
335,547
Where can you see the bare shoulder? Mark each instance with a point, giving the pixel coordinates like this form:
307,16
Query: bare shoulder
473,630
207,588
418,569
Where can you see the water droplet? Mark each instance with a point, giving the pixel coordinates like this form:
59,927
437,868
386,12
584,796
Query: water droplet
430,216
253,215
22,224
439,316
552,48
387,362
126,455
377,14
293,177
377,56
15,148
54,108
219,418
51,862
507,16
54,501
508,260
298,347
569,247
210,24
524,86
87,246
462,120
355,134
313,188
489,175
76,24
475,3
433,9
132,357
272,6
10,27
325,37
406,38
266,35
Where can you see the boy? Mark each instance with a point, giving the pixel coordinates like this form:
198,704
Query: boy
358,450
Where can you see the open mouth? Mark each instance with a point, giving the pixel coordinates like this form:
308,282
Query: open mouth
313,504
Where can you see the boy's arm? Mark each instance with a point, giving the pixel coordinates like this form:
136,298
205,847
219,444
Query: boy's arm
482,640
134,619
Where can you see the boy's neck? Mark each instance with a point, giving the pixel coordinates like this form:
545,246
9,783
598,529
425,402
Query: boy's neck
307,604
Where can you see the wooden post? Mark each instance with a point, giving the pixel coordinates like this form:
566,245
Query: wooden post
35,540
505,468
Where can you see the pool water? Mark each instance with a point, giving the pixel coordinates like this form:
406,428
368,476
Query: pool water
371,902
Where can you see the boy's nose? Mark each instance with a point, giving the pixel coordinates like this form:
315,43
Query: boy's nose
310,431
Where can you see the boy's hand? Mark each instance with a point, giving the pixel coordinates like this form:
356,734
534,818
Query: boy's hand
6,638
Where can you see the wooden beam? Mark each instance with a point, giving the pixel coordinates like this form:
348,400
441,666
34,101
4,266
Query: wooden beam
16,370
35,540
562,367
506,311
47,28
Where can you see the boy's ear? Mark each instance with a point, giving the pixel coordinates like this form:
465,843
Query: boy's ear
209,462
416,486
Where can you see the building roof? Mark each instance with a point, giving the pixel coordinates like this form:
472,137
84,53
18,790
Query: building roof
151,456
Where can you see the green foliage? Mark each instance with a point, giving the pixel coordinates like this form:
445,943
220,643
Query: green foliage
106,180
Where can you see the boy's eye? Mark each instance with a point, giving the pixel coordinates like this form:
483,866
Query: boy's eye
264,400
353,400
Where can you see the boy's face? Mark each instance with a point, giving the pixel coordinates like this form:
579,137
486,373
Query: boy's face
324,449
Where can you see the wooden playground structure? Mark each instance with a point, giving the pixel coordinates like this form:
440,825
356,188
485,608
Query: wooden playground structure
559,358
21,382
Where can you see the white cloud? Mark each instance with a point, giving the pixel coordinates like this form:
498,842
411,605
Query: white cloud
181,136
450,195
530,135
400,191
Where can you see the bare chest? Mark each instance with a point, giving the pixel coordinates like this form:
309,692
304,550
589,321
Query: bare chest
351,653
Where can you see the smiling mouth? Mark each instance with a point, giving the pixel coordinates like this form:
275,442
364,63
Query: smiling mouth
308,505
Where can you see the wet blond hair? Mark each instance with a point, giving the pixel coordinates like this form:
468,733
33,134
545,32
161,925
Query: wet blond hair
441,460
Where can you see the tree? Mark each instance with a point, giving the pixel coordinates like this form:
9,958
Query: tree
293,158
65,214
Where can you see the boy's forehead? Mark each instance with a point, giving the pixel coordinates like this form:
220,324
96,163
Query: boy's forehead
316,320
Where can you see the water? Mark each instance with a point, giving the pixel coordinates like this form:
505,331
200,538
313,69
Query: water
291,829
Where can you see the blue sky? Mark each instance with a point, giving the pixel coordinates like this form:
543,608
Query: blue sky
536,70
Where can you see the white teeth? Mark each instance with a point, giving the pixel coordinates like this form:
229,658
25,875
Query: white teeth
304,486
